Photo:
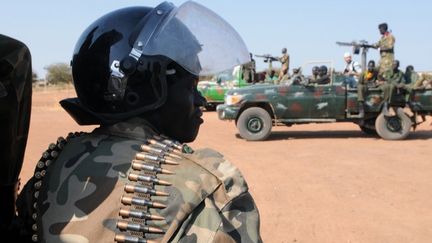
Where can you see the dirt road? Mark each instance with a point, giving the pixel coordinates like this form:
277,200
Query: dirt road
312,183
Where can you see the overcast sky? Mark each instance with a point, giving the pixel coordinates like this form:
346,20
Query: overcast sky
308,29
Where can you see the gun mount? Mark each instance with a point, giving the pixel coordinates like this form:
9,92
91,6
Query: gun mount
362,46
268,58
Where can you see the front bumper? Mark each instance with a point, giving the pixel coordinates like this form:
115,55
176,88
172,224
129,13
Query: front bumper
227,112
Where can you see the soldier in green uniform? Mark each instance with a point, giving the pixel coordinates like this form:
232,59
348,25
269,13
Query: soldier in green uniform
411,76
284,59
249,70
367,79
270,77
133,179
386,48
315,74
323,77
394,80
424,81
297,77
416,81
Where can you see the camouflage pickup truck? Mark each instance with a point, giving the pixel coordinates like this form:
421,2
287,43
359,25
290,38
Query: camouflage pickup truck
256,109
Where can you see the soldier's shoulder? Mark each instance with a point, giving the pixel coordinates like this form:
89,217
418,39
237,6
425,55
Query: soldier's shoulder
226,172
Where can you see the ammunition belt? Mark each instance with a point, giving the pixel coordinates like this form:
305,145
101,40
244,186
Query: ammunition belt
48,157
137,199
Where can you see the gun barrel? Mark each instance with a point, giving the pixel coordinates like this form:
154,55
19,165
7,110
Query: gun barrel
263,56
346,43
364,45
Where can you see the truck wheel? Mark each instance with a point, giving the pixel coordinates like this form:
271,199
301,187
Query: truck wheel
396,127
254,124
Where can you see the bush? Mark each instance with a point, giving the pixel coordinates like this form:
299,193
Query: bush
59,73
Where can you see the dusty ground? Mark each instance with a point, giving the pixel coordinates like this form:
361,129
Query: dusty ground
312,183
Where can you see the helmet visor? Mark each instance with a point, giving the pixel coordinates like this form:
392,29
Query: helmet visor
197,39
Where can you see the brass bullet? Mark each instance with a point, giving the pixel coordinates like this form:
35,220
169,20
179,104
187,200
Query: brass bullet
122,238
168,141
138,177
141,202
125,225
138,214
52,146
40,164
138,165
141,189
150,149
146,156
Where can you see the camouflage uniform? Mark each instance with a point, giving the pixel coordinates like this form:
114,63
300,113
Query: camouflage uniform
285,62
313,78
386,45
198,196
249,72
366,80
271,79
411,77
283,74
393,79
423,81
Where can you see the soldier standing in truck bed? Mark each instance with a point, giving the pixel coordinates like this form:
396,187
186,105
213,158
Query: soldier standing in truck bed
248,70
284,59
386,48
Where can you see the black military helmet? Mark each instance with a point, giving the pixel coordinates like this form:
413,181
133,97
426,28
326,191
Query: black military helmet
284,50
121,61
315,70
383,26
323,70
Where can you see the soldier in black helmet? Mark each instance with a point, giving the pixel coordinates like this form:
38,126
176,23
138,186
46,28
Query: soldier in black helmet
323,77
133,179
315,74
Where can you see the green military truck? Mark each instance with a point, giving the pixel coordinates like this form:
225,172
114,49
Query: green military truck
256,109
214,90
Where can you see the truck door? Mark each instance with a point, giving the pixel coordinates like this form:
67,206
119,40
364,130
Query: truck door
301,101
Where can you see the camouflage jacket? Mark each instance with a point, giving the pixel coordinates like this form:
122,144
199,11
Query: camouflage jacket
284,59
368,77
411,78
163,191
393,77
386,44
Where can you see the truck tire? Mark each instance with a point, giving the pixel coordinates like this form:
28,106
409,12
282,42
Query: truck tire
396,127
254,124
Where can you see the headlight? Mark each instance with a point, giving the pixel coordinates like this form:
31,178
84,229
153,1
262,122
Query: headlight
233,99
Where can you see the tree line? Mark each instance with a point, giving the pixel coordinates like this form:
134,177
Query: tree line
57,73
